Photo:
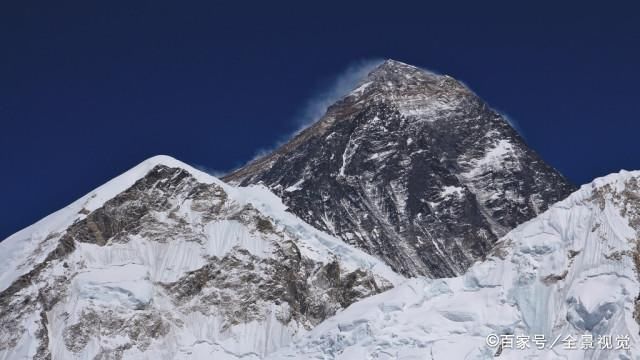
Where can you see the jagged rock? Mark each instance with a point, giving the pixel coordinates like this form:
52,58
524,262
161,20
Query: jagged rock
164,261
411,167
553,289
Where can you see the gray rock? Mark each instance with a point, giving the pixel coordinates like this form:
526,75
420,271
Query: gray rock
169,204
412,167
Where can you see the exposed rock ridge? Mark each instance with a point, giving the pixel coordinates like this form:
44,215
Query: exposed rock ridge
131,276
411,167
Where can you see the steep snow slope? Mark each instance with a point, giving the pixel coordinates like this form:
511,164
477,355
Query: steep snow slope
413,168
167,262
31,240
572,271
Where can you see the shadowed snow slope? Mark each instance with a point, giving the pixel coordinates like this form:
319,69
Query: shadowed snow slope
571,271
167,262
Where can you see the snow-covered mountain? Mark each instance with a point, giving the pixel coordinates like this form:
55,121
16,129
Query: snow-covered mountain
308,253
411,167
570,275
166,262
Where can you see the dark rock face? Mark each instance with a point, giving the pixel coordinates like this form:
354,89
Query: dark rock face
240,286
411,167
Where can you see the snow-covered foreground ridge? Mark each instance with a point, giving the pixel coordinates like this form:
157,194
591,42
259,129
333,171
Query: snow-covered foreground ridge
167,262
568,274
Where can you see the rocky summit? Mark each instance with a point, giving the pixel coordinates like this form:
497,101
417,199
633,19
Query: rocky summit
413,168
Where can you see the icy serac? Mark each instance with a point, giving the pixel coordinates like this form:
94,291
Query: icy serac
411,167
166,262
569,275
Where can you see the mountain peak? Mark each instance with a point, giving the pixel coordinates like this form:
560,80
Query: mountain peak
395,64
410,85
147,165
394,71
412,167
165,160
124,271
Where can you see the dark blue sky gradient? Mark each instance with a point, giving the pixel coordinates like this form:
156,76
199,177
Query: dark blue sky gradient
90,88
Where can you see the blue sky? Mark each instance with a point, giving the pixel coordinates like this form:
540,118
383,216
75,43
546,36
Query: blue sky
89,89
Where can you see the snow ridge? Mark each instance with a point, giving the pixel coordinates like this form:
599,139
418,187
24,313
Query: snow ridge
167,262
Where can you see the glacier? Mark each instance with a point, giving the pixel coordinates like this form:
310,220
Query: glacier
570,273
167,262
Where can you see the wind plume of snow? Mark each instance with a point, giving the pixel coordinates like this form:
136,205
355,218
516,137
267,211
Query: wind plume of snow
342,84
318,103
514,124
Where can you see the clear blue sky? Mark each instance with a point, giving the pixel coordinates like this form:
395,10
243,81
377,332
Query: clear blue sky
91,88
